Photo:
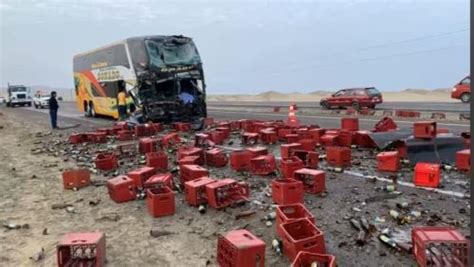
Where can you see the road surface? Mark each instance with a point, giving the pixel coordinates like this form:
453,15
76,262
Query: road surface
68,111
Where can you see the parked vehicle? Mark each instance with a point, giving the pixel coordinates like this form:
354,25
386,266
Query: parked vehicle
18,95
41,100
163,77
462,90
353,97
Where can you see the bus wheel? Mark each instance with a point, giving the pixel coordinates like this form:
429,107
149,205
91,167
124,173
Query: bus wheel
92,110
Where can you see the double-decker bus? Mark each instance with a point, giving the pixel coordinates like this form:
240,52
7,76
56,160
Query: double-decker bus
162,75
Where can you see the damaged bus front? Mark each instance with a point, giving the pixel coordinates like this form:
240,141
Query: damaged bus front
162,75
170,79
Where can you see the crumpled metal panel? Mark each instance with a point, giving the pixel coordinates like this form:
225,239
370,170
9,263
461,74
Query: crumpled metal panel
421,150
385,139
441,149
447,145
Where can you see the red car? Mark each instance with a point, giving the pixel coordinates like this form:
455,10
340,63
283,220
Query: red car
462,90
353,97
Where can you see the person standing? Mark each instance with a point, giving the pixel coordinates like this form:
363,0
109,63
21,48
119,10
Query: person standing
53,110
122,104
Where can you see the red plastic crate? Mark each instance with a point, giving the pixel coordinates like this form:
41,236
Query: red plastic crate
182,126
157,160
350,124
120,126
97,137
106,131
338,156
291,138
290,212
304,259
362,139
196,190
124,135
191,172
329,139
122,188
301,235
147,144
225,192
289,165
76,178
463,160
307,144
160,201
140,130
286,149
201,139
316,134
287,191
388,161
303,133
446,240
427,174
81,249
240,248
186,151
77,138
282,132
384,125
106,161
190,160
157,127
263,165
217,137
249,138
159,180
314,181
208,122
268,137
225,131
424,129
215,157
170,139
240,160
140,175
401,147
309,158
345,138
257,151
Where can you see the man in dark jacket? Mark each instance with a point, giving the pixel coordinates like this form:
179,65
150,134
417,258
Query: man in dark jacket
53,110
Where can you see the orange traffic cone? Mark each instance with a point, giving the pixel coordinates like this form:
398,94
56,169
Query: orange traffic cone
292,121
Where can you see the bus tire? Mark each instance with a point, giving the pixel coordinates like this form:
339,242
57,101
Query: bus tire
86,109
92,110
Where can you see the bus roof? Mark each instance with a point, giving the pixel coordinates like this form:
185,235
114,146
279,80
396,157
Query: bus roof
128,39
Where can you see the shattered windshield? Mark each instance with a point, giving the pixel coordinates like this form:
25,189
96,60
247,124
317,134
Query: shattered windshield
172,52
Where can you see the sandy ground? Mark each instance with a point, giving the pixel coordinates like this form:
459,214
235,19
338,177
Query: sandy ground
409,95
31,184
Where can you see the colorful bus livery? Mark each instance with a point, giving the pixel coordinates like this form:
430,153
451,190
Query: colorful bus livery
162,75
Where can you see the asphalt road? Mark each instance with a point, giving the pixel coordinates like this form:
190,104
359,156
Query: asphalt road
419,106
68,115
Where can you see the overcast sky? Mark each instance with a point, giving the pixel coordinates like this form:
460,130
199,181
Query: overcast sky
251,46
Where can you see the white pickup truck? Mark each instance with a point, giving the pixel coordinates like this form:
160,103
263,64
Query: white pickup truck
41,100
